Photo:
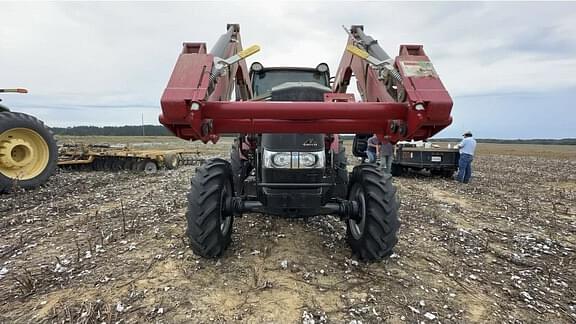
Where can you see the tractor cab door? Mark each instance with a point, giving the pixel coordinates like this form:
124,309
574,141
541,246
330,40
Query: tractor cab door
360,145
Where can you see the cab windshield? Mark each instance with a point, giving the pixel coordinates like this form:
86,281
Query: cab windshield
263,82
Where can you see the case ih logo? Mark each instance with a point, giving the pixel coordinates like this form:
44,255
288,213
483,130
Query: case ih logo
310,142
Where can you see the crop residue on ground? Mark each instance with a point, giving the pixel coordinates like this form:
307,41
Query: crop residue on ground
104,247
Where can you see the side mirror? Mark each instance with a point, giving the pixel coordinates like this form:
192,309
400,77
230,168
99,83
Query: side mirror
360,145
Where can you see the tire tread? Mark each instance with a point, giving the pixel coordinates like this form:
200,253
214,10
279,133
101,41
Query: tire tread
382,223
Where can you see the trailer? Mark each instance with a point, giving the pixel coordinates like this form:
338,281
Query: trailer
441,161
417,156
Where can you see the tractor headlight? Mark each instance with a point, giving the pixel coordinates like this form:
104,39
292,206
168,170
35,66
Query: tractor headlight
294,160
322,68
281,160
256,67
308,160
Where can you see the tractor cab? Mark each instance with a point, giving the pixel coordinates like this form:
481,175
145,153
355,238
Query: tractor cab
290,83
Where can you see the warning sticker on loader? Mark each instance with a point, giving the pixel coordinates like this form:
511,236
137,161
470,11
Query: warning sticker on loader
418,69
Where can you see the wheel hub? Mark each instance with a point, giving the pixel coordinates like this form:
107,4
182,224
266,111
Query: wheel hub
24,153
15,153
225,210
358,223
150,167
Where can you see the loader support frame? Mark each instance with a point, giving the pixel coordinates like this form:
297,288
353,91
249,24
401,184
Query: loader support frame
406,101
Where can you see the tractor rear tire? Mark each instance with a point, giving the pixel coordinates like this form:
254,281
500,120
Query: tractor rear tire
341,170
28,152
240,168
209,225
236,167
373,236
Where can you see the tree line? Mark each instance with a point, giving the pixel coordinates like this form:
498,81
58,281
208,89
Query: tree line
156,130
147,130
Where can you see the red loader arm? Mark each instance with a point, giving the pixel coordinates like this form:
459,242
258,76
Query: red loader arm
408,103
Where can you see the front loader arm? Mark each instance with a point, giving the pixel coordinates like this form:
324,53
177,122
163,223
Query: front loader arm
409,79
196,103
199,78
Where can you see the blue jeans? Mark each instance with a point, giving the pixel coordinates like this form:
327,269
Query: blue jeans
464,168
386,163
371,156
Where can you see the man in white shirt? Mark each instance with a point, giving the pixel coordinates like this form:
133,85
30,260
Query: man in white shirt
467,147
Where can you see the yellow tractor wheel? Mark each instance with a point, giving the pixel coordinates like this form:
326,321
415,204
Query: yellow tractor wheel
28,152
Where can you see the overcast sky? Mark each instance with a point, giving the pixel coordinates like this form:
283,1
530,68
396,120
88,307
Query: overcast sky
510,67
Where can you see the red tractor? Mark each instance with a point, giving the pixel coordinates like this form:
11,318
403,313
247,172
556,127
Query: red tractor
287,158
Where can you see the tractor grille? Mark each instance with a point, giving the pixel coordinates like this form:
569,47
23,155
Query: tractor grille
292,176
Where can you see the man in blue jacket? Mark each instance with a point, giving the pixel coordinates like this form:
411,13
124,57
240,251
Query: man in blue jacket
373,149
467,147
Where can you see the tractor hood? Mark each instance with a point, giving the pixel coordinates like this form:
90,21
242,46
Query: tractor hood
293,142
296,91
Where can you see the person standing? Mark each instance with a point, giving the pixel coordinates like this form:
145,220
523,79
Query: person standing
467,147
387,154
373,148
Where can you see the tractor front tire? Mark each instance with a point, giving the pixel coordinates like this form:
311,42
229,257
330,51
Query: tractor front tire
373,235
209,224
28,152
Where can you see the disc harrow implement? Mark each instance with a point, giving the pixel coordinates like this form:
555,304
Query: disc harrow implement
105,157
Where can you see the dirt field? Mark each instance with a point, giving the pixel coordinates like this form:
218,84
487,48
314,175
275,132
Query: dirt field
108,247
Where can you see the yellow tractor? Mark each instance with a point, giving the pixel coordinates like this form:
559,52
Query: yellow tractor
28,151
